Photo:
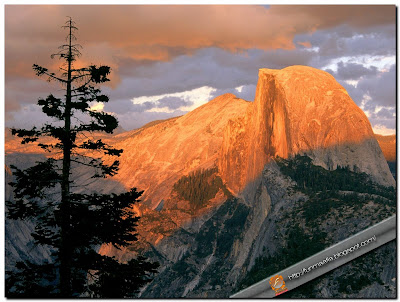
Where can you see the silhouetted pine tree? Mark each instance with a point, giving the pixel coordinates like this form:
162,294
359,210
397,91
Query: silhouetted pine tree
74,225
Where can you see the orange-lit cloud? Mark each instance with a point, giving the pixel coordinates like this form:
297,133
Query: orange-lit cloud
306,44
171,49
111,32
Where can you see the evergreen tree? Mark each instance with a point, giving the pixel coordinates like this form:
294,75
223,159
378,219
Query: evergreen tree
73,225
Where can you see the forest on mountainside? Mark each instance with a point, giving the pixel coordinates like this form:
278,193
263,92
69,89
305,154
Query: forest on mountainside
199,187
337,203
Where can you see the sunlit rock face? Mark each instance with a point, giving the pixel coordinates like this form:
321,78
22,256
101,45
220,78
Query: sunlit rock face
299,110
156,157
388,146
296,110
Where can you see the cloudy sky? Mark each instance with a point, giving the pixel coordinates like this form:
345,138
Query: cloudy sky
168,60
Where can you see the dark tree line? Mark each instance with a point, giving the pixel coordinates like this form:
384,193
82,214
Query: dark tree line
311,178
199,187
73,225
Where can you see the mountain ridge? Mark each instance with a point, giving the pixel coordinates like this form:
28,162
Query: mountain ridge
237,144
297,109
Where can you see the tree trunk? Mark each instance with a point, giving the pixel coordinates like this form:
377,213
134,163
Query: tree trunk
65,248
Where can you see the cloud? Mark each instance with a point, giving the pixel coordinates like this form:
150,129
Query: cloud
381,89
383,130
245,92
355,93
97,107
162,32
144,109
210,67
167,104
248,92
383,116
354,71
386,113
173,103
375,93
119,106
345,43
27,117
20,92
164,50
369,87
141,107
305,44
326,16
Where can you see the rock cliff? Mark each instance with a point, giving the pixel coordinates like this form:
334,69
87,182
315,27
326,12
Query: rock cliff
299,110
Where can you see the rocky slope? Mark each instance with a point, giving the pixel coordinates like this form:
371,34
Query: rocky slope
157,156
238,245
305,220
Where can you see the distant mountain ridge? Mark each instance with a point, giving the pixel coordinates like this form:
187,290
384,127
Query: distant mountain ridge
388,146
